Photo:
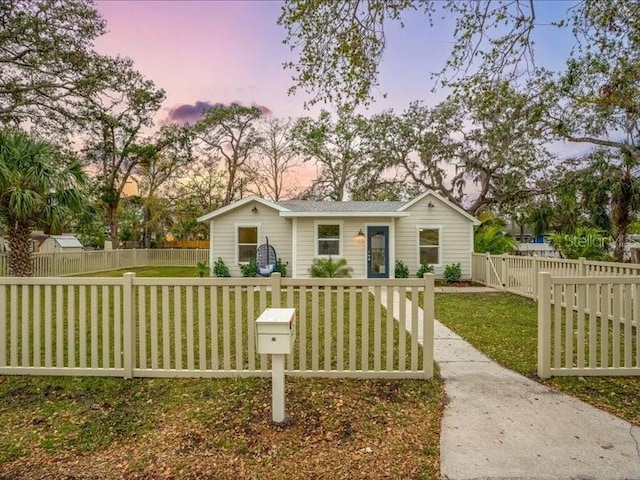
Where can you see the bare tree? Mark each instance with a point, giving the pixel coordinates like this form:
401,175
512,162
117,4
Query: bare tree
273,168
229,134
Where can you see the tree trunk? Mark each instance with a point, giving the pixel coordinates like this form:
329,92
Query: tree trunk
146,228
621,217
20,258
112,214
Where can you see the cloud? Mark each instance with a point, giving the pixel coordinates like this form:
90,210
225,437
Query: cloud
262,108
187,113
191,113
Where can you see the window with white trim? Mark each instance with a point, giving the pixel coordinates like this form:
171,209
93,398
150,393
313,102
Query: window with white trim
428,245
247,243
328,239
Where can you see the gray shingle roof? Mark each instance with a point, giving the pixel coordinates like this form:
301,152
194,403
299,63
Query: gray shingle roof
343,207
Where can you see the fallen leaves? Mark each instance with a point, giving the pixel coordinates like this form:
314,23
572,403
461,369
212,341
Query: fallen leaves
336,429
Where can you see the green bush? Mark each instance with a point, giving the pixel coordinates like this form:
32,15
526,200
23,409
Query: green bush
452,272
424,268
249,269
586,242
402,271
492,239
329,268
203,269
220,268
281,267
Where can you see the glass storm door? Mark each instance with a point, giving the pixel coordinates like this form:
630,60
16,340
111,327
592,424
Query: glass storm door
378,252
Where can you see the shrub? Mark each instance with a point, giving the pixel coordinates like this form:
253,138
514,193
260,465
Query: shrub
281,267
492,239
203,269
452,272
424,268
586,242
249,269
402,271
329,268
220,269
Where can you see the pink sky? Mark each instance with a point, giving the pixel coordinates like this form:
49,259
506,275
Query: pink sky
225,51
221,51
232,51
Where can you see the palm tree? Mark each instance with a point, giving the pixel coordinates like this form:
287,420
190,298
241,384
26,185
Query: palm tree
330,268
35,188
492,239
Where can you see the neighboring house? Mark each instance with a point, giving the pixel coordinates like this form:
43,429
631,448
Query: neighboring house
371,236
60,243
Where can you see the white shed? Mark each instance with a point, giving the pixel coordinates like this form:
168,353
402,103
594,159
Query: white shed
60,243
371,236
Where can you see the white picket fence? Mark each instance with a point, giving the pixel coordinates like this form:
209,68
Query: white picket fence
588,311
204,327
588,325
519,275
93,261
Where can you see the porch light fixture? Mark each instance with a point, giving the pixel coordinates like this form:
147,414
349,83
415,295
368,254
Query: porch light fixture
360,236
430,205
254,209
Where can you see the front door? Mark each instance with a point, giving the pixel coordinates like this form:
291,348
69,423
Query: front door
378,252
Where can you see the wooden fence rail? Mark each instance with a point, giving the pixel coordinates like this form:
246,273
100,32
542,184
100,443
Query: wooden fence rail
93,261
519,275
588,325
204,327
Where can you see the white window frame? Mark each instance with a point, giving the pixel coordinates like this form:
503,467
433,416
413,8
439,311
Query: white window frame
429,227
237,227
316,239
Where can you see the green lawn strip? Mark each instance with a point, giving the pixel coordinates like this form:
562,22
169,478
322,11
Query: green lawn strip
504,327
188,421
165,272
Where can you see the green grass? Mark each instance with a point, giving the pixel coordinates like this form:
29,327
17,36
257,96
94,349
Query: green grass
504,327
226,311
166,272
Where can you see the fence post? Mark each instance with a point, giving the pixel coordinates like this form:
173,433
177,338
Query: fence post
487,269
534,277
128,324
427,324
503,272
583,266
544,324
275,289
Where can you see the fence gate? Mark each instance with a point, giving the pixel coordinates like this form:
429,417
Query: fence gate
494,271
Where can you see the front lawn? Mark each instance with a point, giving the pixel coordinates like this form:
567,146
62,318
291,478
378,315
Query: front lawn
59,427
504,327
221,428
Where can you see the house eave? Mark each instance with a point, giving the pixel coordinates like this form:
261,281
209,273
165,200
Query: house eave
232,206
452,205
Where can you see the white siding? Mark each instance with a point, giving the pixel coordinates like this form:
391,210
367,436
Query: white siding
354,252
455,241
269,223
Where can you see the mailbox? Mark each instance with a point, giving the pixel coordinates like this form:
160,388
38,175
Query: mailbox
275,331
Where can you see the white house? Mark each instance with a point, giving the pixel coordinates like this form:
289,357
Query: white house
371,236
60,243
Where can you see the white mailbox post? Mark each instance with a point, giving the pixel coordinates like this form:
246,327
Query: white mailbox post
275,334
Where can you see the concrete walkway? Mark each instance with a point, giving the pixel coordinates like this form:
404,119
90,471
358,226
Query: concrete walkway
500,425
